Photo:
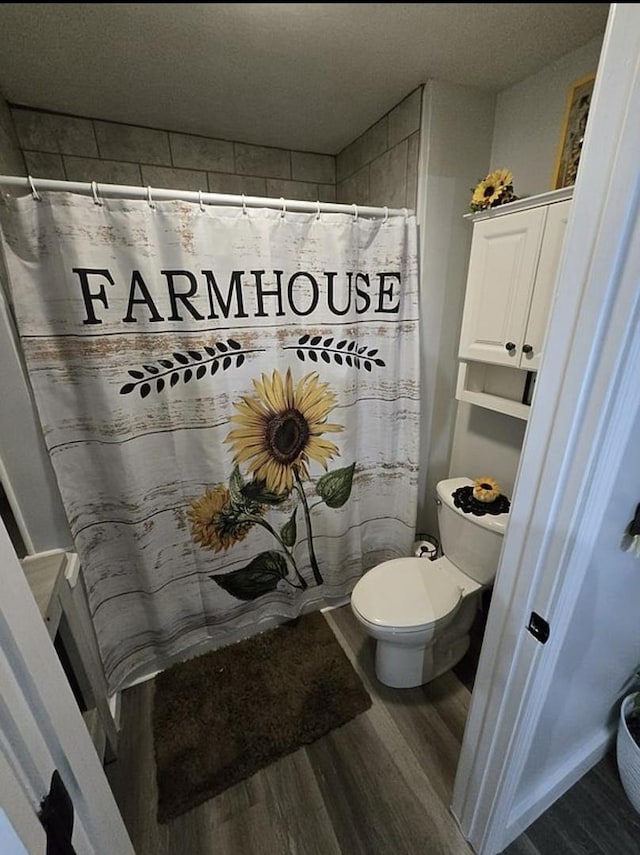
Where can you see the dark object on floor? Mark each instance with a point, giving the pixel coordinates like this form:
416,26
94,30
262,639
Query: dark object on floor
222,716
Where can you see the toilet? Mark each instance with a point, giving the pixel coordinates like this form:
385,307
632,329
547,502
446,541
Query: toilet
420,611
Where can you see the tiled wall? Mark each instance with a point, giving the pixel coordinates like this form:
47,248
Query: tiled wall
11,163
11,160
381,166
78,149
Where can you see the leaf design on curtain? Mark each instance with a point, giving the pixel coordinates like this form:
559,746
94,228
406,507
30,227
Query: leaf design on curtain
334,488
341,351
289,531
185,365
259,577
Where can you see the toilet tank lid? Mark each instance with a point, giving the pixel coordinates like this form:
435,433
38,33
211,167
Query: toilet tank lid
445,490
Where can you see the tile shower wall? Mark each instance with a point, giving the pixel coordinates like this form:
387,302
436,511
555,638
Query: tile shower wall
11,159
380,167
78,149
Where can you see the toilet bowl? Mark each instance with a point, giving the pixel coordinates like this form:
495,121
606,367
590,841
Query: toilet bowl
420,611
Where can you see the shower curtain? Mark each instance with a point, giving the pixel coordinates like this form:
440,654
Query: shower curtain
230,400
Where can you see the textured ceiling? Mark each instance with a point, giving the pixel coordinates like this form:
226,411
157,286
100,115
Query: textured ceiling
310,76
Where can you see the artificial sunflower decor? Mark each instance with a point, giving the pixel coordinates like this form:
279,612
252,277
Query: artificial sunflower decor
496,189
485,489
482,497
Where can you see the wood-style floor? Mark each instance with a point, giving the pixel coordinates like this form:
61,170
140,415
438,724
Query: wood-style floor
594,817
379,785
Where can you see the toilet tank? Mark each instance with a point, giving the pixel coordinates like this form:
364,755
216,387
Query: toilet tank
472,543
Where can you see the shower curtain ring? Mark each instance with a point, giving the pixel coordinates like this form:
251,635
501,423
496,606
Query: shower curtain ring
200,201
152,204
245,213
386,215
284,208
34,192
94,190
355,212
318,214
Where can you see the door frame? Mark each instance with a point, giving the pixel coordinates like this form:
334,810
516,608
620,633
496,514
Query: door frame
585,405
42,729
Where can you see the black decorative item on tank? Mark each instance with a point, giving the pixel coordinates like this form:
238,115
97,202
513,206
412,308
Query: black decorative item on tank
463,499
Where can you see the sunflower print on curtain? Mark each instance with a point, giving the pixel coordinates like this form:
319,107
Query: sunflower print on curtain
279,431
230,401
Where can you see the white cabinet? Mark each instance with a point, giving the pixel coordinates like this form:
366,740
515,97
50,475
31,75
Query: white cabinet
512,270
515,253
540,304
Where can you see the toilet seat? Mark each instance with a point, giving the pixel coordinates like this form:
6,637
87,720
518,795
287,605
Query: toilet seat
407,593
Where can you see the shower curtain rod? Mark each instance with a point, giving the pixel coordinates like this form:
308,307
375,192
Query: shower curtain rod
152,194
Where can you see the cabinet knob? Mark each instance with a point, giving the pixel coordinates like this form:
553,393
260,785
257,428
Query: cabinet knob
510,346
527,348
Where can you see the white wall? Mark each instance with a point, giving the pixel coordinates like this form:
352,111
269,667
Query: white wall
529,118
487,443
452,158
11,844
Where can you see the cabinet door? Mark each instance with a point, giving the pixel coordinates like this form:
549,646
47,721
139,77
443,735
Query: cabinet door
502,269
544,287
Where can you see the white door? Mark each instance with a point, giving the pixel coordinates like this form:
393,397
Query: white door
554,231
42,730
20,830
582,418
502,269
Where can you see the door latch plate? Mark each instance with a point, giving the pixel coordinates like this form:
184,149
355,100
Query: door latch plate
538,627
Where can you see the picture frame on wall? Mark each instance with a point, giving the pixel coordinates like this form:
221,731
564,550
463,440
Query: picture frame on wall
573,127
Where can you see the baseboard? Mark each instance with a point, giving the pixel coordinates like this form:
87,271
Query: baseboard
555,785
115,705
338,604
148,675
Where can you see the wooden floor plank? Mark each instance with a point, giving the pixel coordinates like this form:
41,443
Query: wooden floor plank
373,807
132,776
255,827
298,803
